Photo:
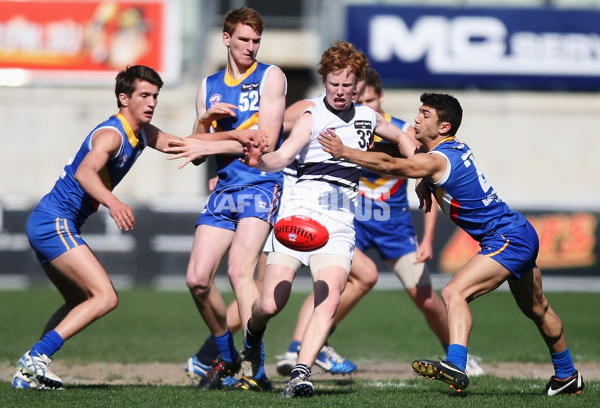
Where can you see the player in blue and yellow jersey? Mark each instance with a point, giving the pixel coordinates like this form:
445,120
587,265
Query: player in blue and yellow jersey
509,243
383,222
240,212
87,181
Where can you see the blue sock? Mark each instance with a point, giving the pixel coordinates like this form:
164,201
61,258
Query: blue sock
563,364
294,346
226,348
262,374
49,344
208,352
457,355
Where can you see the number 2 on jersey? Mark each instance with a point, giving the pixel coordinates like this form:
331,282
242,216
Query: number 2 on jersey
469,160
249,101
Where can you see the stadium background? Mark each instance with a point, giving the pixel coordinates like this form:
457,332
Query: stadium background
534,135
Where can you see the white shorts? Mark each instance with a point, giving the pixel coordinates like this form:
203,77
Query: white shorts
288,182
339,223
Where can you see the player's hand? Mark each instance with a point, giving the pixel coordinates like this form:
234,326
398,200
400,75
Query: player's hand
123,215
424,252
252,156
190,149
212,183
332,143
256,138
218,111
424,194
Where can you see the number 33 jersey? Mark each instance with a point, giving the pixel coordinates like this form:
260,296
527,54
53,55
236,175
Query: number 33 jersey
354,127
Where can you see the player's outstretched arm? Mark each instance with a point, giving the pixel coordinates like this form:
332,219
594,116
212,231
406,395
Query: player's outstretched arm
279,159
199,146
417,166
406,141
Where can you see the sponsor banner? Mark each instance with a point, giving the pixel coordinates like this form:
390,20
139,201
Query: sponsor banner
162,240
79,41
490,48
568,244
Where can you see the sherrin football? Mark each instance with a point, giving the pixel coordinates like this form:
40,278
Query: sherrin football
301,233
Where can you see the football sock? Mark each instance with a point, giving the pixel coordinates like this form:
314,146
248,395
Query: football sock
253,338
457,355
208,352
563,364
294,346
49,344
300,369
262,374
445,347
226,348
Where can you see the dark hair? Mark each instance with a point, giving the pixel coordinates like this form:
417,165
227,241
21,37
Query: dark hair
340,55
125,80
245,16
447,108
373,79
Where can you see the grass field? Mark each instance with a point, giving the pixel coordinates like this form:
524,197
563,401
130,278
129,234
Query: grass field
164,327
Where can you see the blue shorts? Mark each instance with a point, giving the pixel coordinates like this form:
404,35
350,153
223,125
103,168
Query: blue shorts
51,236
516,249
392,238
228,205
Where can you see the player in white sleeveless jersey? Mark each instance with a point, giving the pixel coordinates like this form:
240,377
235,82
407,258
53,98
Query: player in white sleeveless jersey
325,190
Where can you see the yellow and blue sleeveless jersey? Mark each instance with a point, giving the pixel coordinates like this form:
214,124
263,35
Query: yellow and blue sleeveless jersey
466,196
245,93
67,198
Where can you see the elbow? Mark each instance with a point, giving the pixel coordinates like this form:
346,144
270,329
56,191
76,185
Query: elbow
77,176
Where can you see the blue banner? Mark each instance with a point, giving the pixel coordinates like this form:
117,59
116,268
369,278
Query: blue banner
483,48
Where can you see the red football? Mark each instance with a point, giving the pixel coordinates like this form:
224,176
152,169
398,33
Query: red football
301,233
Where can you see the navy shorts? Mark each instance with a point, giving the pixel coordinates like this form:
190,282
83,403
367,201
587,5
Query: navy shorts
516,249
51,236
392,238
229,205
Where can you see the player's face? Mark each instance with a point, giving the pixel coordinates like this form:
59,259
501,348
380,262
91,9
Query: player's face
426,123
140,106
243,45
339,88
370,98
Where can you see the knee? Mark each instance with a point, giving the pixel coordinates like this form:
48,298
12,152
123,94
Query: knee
267,308
369,278
198,287
238,274
366,278
426,299
450,294
107,302
326,307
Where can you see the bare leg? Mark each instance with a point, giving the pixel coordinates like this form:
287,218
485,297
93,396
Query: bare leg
529,295
210,246
86,288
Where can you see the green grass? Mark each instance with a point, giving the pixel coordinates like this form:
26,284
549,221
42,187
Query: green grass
152,326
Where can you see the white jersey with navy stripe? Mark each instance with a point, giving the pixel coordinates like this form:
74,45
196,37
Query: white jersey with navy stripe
326,188
354,130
